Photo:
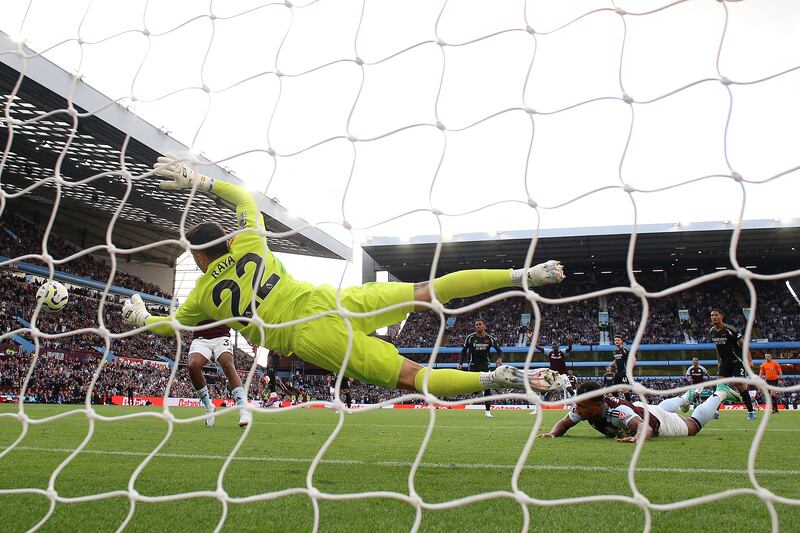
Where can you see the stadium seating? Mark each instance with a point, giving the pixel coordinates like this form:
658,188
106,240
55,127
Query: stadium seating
82,313
19,237
777,317
66,379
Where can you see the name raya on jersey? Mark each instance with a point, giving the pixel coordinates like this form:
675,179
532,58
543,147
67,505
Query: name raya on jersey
726,340
246,279
616,417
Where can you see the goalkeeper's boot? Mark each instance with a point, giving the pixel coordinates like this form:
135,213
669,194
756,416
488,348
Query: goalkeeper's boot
688,399
546,273
540,380
210,420
731,395
751,415
244,418
488,414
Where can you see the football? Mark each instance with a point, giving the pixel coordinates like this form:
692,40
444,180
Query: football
52,296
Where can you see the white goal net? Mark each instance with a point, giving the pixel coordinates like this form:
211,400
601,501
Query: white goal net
409,118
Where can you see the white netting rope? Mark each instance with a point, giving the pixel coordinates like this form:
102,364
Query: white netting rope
412,497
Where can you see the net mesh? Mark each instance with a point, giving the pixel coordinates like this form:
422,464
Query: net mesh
283,76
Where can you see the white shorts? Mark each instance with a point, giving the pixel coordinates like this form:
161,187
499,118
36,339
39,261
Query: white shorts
672,424
211,349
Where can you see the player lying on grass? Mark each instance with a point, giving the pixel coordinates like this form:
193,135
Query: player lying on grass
243,279
615,417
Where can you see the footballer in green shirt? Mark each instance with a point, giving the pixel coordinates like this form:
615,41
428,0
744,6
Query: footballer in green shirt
245,286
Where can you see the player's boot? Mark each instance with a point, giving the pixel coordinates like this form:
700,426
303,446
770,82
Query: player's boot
211,420
551,271
244,418
540,380
272,400
751,415
731,395
689,398
488,414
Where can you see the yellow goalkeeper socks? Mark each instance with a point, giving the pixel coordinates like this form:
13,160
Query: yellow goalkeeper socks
467,283
445,382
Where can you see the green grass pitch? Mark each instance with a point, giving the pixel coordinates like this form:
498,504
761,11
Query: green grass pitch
467,455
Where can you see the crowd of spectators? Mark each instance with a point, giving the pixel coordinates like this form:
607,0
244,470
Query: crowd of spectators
81,312
66,379
25,237
777,313
502,317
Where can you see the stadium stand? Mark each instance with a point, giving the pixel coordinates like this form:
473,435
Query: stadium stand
82,313
20,237
65,369
777,319
65,378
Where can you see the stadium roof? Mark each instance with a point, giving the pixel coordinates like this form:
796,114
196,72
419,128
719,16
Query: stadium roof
148,214
768,245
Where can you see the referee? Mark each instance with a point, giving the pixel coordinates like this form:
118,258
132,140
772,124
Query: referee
476,347
772,372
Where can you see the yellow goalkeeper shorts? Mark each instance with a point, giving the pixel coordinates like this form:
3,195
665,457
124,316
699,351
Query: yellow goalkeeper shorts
323,341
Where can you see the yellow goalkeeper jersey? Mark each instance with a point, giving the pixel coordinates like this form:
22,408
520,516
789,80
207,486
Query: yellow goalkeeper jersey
248,279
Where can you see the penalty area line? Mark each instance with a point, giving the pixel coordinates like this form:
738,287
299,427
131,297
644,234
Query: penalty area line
407,464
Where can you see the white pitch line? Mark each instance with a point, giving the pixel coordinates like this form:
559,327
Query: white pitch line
406,464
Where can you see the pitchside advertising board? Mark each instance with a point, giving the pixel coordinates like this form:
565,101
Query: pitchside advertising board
194,402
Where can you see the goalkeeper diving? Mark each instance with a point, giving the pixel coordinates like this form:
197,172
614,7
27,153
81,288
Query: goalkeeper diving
243,282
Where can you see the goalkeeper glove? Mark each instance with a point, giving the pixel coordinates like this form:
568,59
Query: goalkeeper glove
134,313
180,175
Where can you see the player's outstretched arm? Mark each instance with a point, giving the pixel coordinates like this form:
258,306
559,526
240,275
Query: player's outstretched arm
561,427
180,176
135,314
640,427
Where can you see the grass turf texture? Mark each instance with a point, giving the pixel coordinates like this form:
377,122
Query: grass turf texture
467,455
